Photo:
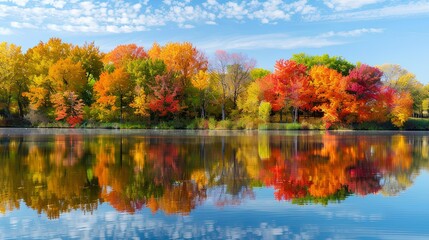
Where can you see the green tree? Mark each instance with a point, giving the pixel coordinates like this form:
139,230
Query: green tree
337,63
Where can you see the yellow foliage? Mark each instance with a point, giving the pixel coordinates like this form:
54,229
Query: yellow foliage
402,108
139,104
201,80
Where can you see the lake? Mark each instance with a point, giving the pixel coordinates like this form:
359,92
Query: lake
61,183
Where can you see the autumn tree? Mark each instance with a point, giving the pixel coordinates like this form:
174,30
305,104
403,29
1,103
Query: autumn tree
290,86
114,91
201,82
90,57
331,94
144,71
182,58
337,63
164,101
39,60
139,103
66,75
258,73
13,81
68,107
364,82
231,75
121,55
402,80
249,102
402,108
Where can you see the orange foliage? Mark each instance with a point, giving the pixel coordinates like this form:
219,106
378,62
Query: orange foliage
331,97
68,106
112,87
402,108
182,58
122,54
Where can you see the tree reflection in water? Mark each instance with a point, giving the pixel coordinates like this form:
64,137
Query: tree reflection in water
54,174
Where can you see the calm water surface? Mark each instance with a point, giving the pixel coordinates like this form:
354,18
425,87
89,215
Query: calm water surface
213,185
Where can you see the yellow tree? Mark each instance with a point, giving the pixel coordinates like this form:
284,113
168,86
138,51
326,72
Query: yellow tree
39,60
402,108
201,81
12,80
249,102
66,75
139,104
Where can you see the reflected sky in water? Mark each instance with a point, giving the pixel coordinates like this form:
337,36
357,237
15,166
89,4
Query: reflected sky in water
229,185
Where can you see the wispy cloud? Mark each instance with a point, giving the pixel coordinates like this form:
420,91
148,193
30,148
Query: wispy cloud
400,10
5,31
340,5
284,41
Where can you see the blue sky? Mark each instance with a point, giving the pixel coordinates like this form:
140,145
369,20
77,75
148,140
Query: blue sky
369,31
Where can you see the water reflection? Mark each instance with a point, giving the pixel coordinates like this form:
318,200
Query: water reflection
58,173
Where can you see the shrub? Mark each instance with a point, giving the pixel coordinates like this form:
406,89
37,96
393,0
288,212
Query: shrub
224,125
212,123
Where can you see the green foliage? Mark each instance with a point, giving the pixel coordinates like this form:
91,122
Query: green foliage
337,197
212,123
224,125
417,124
144,71
258,73
337,63
280,126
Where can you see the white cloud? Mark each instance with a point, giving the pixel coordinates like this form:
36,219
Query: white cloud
283,41
124,16
22,25
54,3
21,3
352,33
340,5
5,31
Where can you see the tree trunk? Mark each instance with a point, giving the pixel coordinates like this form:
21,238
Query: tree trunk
120,108
203,114
281,115
20,108
223,111
295,114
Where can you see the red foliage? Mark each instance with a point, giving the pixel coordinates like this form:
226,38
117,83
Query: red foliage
364,82
164,99
364,178
288,84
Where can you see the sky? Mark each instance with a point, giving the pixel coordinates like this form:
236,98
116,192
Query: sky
374,32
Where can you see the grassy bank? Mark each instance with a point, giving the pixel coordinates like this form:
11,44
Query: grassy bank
413,124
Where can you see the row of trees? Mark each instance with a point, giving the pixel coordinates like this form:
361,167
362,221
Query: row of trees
66,82
176,175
